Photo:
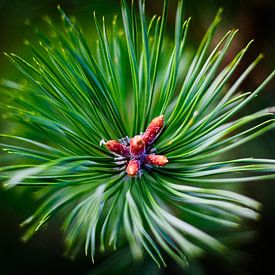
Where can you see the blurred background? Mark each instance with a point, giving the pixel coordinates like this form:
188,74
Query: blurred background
43,253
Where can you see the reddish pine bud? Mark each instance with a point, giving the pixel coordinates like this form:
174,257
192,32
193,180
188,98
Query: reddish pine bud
137,146
153,130
156,160
132,167
118,148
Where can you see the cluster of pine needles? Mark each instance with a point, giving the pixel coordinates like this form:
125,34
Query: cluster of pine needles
77,94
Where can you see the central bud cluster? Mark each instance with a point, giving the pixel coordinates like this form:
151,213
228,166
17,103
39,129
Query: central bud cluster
138,151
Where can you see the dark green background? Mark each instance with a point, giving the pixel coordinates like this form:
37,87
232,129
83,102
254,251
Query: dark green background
43,254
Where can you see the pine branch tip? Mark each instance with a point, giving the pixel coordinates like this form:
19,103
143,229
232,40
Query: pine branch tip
86,93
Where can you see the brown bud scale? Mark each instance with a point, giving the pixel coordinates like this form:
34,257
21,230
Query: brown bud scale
137,152
156,160
153,130
118,148
133,167
137,146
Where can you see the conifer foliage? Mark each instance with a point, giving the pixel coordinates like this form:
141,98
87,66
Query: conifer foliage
84,109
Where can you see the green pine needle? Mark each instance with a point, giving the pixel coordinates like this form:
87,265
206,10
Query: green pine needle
77,95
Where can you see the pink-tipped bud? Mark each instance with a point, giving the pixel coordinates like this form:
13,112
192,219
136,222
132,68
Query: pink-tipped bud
153,130
156,160
137,146
118,148
132,168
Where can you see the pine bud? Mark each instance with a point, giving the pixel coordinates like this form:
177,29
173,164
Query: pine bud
118,148
156,160
132,167
137,146
153,130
